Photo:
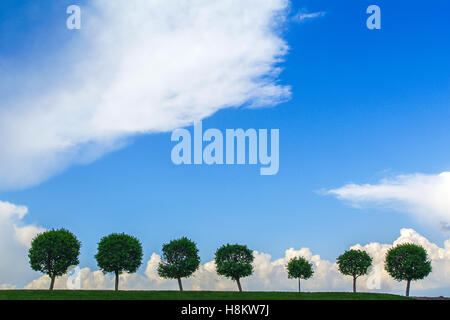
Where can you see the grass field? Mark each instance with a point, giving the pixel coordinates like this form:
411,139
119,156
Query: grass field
186,295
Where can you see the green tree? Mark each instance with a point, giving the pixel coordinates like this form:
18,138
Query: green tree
299,268
180,259
118,253
53,252
234,262
407,262
354,263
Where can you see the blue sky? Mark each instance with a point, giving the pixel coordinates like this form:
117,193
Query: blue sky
365,105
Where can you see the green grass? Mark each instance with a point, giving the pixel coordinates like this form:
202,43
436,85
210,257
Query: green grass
186,295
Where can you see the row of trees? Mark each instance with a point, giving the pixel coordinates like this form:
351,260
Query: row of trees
405,262
54,251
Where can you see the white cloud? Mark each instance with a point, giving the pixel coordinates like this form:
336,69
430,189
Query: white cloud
134,68
425,196
15,239
302,15
270,274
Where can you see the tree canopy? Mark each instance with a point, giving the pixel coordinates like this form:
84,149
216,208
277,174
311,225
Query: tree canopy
180,259
299,268
354,263
53,252
234,262
408,262
119,253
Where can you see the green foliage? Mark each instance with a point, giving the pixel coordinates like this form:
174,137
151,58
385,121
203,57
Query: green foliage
53,252
299,268
407,262
180,259
354,263
119,253
234,261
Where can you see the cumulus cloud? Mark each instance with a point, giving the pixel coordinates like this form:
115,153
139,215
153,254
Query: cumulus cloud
270,274
137,67
425,196
15,239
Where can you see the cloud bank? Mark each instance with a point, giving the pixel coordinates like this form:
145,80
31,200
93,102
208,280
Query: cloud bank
427,197
138,67
270,274
15,239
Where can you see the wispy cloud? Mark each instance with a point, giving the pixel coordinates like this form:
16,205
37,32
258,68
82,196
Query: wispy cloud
151,66
302,15
425,196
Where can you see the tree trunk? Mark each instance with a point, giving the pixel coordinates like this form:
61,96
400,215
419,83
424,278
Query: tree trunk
239,284
180,284
408,284
299,289
117,281
52,282
354,284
